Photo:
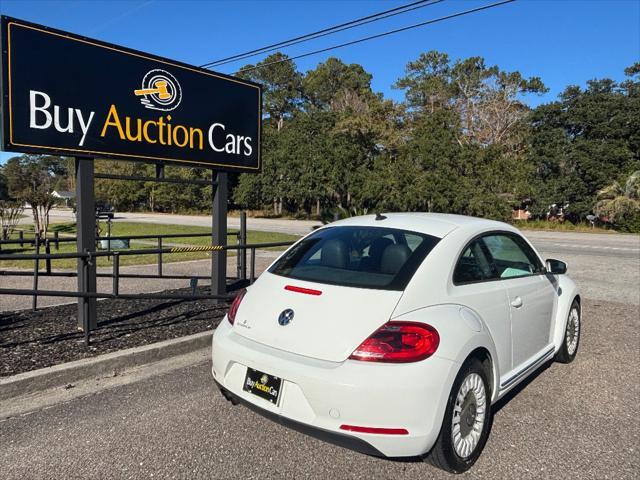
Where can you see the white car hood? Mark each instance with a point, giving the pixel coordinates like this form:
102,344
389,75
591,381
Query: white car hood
329,326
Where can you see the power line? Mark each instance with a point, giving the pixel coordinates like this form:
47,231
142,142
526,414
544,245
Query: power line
384,34
324,32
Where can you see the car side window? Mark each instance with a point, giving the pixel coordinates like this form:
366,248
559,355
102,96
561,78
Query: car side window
512,256
473,265
413,241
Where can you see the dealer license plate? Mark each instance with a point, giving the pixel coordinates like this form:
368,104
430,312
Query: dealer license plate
263,385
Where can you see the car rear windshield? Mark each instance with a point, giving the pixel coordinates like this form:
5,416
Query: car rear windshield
366,257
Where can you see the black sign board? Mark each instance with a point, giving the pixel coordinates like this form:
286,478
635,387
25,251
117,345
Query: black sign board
69,95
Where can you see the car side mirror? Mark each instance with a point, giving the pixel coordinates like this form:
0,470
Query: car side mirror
556,267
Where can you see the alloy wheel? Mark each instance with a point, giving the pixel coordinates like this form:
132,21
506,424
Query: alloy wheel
469,414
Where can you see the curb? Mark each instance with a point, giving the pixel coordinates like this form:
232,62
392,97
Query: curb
107,364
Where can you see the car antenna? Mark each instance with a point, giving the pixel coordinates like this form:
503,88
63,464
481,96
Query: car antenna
379,216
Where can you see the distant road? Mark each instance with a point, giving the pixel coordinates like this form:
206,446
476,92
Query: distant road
294,227
626,246
607,244
616,245
606,266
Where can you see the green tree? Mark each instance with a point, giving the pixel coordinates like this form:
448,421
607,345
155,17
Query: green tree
294,165
4,188
32,179
489,101
178,197
435,172
466,137
427,82
10,214
585,141
619,203
333,85
123,195
281,84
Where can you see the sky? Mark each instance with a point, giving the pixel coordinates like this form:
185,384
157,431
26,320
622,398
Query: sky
565,42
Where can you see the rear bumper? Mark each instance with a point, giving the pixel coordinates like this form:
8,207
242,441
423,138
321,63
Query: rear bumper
317,397
340,439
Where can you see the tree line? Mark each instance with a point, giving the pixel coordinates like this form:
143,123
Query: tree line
463,140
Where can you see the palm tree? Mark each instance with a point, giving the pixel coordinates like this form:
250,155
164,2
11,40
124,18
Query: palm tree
620,203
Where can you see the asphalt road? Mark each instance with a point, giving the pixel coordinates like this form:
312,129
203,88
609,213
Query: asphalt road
605,266
571,421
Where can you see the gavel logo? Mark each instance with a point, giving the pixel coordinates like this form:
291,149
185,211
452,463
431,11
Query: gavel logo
159,91
160,88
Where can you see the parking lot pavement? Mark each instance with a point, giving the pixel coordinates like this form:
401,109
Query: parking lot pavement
578,420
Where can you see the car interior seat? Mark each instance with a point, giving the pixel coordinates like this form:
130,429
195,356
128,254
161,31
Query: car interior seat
376,249
334,253
393,258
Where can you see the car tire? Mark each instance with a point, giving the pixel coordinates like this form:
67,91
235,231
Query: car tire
571,338
467,420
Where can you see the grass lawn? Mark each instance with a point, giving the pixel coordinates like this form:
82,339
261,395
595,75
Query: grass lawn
560,227
132,228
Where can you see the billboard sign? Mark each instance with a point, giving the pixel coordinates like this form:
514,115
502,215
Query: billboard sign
69,95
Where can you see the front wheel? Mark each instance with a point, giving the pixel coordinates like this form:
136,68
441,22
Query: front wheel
467,420
571,340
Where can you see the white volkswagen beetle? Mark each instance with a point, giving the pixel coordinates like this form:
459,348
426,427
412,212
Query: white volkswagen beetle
394,334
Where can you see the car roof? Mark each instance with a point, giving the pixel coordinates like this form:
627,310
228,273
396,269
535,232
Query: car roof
436,224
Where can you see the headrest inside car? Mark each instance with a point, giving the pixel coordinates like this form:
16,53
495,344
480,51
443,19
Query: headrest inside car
378,246
393,258
334,254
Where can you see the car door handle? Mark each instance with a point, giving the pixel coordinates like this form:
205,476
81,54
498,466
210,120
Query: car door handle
516,302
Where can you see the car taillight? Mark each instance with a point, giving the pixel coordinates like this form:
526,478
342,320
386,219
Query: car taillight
398,342
233,309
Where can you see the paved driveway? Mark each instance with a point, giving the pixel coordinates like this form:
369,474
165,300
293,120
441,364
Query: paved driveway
571,421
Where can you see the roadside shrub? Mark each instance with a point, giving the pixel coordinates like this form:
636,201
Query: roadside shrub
629,223
10,214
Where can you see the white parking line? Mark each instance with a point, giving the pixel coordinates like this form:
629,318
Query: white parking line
598,247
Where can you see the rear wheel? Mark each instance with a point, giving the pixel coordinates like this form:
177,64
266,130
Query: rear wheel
571,340
466,422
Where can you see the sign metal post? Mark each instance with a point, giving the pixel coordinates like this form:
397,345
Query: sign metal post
86,234
219,237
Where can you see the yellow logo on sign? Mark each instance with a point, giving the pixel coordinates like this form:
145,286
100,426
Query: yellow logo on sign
159,91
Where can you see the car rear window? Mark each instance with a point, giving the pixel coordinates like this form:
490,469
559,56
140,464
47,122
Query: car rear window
365,257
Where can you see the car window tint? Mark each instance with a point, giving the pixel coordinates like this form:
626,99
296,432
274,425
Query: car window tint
473,265
368,257
511,256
